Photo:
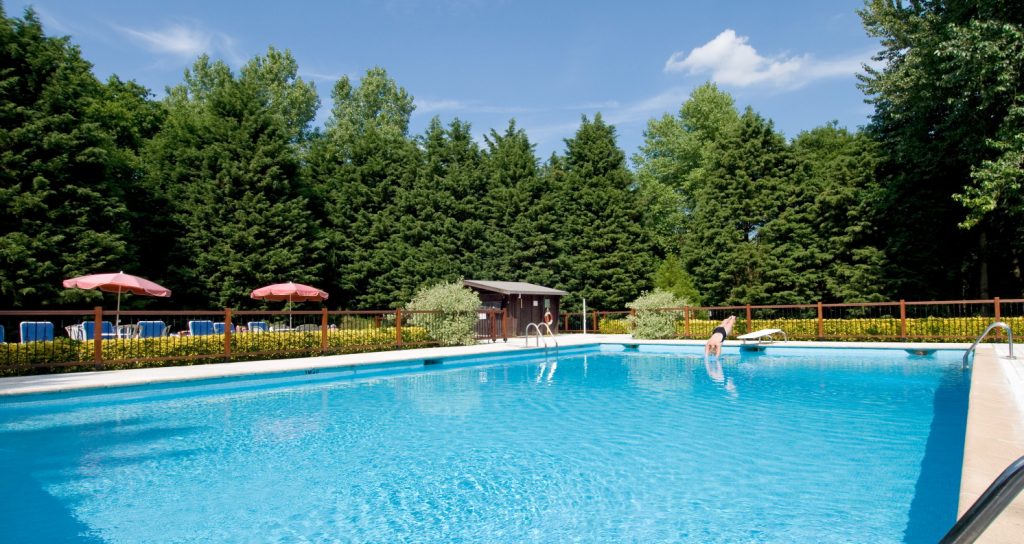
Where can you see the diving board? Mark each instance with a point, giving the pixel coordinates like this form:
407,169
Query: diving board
755,339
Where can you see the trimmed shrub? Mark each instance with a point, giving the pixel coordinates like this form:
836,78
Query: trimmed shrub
651,319
456,309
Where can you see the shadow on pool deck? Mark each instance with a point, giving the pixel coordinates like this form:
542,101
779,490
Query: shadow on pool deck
933,509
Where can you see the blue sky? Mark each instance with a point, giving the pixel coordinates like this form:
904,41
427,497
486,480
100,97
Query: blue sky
544,63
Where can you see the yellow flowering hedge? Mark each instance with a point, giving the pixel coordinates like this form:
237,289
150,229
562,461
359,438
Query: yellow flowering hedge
925,329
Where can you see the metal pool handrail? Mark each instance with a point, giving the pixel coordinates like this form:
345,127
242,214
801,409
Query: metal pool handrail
540,337
999,324
992,502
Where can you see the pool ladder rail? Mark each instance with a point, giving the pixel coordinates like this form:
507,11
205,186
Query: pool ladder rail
541,337
989,505
997,324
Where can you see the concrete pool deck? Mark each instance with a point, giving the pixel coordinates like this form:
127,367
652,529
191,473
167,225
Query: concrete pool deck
995,420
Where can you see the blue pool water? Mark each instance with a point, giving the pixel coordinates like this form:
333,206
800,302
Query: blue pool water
606,446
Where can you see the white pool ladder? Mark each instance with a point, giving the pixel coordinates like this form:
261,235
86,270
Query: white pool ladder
997,324
541,337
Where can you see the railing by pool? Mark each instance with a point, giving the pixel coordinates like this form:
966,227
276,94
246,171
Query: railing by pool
72,340
35,342
924,321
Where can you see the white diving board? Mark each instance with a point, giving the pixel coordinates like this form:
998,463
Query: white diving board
753,340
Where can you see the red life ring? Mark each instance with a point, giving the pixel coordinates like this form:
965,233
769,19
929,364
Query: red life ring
547,318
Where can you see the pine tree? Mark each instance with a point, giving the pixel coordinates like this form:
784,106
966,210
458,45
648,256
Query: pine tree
358,166
605,255
513,185
62,212
740,193
227,160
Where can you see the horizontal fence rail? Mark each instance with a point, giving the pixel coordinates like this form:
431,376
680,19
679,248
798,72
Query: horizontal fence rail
929,321
34,342
40,341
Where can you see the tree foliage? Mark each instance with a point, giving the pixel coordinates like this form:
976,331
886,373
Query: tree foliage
224,185
948,101
63,168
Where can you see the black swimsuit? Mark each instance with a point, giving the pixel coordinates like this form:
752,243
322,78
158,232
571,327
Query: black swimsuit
721,330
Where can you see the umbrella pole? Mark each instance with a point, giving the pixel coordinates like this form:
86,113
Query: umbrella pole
117,314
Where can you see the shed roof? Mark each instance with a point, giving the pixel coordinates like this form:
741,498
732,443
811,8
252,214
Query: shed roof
513,287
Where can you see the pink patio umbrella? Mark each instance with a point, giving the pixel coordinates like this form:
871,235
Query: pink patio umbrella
291,292
118,283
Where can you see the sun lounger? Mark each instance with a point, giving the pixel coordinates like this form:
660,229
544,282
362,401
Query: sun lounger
218,328
1,334
106,330
36,331
200,327
152,329
258,326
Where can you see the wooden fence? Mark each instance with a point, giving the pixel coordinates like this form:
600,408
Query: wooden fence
72,340
941,321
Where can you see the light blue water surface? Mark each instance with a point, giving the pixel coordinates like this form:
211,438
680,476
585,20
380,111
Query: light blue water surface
605,445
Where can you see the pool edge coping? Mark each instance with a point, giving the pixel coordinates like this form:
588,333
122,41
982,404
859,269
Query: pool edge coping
994,437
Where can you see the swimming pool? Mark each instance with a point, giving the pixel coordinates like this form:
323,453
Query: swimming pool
606,444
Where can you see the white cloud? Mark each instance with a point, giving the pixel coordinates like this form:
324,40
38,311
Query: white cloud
733,61
430,106
186,42
174,40
426,105
330,78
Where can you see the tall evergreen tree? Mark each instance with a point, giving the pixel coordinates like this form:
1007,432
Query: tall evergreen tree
672,162
728,258
439,226
227,160
513,185
949,112
358,167
61,178
844,218
606,256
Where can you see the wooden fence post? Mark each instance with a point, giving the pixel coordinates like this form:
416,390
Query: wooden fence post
227,333
686,321
97,334
903,319
998,309
504,324
596,322
492,316
323,330
749,319
398,327
821,321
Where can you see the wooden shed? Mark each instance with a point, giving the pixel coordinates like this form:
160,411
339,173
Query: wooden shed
525,302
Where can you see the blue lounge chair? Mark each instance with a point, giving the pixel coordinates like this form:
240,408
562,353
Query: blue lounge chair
218,328
36,331
259,326
151,329
200,328
106,330
1,334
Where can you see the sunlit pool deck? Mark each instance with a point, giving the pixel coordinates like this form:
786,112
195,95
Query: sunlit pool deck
995,421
